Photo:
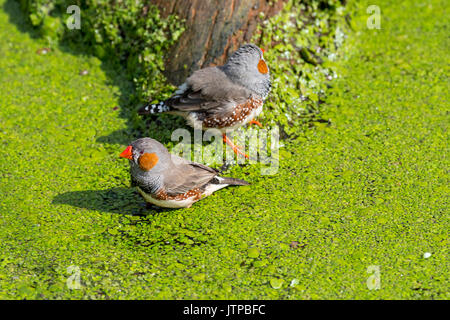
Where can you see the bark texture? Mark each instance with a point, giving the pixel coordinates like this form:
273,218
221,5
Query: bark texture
214,29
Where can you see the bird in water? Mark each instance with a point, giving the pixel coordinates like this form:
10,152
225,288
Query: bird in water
170,181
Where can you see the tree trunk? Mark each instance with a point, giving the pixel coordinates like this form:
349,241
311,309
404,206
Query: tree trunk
214,29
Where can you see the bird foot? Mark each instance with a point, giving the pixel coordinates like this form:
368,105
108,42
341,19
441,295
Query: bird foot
235,148
257,123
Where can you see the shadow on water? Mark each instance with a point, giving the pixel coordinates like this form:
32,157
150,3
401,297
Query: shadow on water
125,201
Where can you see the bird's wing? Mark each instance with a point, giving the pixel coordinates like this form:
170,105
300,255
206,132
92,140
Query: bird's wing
208,89
186,175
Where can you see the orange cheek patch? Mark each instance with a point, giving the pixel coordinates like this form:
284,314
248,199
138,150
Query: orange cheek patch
148,161
262,67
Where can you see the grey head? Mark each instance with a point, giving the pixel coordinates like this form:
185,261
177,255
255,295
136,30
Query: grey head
153,169
149,160
247,67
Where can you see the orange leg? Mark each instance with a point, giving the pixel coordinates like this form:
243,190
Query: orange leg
233,146
257,123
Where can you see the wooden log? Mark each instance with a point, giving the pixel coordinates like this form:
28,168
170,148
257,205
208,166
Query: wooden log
214,29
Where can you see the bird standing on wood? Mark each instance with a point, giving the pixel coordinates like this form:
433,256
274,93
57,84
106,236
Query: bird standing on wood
223,97
170,181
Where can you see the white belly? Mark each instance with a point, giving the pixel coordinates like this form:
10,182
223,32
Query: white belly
185,203
169,203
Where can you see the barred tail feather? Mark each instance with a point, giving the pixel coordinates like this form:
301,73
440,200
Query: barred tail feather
231,181
154,108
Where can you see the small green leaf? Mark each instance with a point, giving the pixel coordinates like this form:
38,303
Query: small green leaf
253,253
199,277
276,283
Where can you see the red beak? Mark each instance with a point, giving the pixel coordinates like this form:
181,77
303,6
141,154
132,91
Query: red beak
263,50
127,153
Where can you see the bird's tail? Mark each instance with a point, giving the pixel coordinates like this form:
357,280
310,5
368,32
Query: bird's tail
232,181
154,108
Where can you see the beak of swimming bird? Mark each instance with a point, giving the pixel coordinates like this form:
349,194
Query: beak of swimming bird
127,153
